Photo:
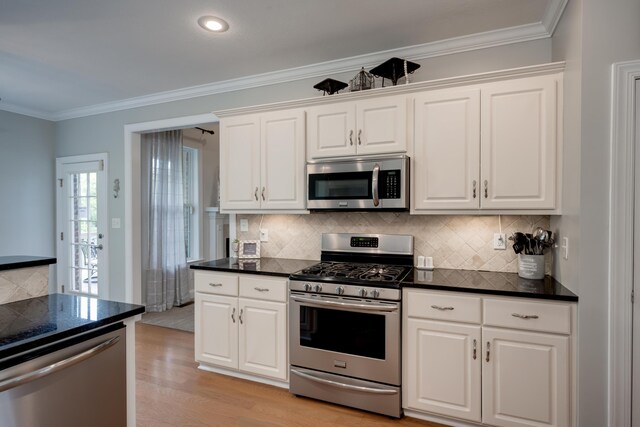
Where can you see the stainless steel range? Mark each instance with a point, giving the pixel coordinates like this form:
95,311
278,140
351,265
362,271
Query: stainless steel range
345,322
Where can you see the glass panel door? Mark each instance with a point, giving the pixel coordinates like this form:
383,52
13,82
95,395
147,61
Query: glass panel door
82,266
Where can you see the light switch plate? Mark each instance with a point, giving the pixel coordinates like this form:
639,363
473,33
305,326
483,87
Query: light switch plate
244,225
264,235
499,241
115,222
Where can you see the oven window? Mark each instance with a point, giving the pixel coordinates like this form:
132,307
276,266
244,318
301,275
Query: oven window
331,186
359,334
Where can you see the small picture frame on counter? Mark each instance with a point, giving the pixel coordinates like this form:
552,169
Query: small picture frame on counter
249,249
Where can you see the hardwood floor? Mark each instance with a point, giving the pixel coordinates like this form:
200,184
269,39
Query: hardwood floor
171,391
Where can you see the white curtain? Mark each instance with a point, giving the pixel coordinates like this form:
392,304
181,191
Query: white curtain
165,271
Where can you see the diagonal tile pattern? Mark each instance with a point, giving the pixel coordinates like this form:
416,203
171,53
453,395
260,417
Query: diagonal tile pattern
23,283
456,242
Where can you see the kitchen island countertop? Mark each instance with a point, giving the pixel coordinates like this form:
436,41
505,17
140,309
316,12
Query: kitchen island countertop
35,322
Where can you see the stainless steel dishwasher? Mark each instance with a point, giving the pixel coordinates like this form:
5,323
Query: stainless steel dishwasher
80,381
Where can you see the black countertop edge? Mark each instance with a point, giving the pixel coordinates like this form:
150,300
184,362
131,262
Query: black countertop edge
490,283
24,261
281,267
40,321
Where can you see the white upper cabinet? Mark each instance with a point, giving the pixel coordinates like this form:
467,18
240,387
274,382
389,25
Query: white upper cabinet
491,146
447,150
369,126
519,128
262,162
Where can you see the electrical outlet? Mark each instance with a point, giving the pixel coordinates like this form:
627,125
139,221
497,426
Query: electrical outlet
244,225
565,247
264,235
499,241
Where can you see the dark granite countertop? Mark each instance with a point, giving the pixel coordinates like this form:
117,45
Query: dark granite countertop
488,282
24,261
34,322
268,266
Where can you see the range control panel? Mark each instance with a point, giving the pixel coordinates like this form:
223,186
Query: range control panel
364,242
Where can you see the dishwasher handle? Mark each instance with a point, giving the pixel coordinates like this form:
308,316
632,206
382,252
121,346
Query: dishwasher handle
58,366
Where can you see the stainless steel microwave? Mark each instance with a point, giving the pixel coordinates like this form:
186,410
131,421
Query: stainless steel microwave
363,183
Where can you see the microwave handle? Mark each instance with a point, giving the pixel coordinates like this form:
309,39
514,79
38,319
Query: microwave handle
374,185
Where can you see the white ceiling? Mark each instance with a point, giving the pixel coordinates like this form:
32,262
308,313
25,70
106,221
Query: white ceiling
66,58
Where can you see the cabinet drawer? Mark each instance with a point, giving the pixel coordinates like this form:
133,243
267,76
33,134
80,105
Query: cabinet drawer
532,316
264,288
212,283
441,306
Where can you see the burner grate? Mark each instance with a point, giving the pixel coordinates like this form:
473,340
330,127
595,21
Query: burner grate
358,271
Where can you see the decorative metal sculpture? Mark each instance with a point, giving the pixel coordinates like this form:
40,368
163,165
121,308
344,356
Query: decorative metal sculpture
362,81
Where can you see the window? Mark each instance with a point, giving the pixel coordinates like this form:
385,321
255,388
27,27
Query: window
190,194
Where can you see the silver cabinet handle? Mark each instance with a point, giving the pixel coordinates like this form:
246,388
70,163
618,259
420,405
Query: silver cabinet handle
475,348
486,189
374,185
316,378
233,315
441,308
240,317
263,190
351,137
261,289
255,193
474,188
359,140
488,350
58,366
525,316
215,285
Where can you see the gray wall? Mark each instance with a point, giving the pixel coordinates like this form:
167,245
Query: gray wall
105,132
606,32
27,186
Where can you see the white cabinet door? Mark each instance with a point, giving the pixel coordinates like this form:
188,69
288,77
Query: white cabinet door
240,163
216,330
282,160
263,338
381,125
331,130
525,378
519,128
446,162
443,365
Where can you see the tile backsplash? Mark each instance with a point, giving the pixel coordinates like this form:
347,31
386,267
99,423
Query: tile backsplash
23,283
454,241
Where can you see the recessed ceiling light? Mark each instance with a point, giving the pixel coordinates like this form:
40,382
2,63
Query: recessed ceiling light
213,23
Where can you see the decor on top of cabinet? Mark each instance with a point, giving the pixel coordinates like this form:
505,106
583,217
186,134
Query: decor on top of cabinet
362,81
394,69
330,86
531,262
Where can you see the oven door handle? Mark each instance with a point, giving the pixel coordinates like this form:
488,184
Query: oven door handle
342,385
324,302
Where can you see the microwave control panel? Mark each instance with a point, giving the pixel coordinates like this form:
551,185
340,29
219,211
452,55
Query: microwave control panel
390,184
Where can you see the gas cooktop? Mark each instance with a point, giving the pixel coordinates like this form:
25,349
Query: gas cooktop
354,273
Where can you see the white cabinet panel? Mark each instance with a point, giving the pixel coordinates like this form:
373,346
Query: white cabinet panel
216,337
263,338
444,368
519,143
447,149
525,380
283,161
331,130
240,162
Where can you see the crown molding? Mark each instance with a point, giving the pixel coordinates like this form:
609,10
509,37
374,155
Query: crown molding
552,15
27,112
501,37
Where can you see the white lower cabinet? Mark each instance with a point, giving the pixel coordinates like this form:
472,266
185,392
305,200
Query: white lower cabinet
243,330
496,361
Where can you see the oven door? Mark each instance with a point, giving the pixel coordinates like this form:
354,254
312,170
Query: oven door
346,336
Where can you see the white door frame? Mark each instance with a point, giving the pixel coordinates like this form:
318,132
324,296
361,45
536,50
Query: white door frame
104,288
132,220
621,220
